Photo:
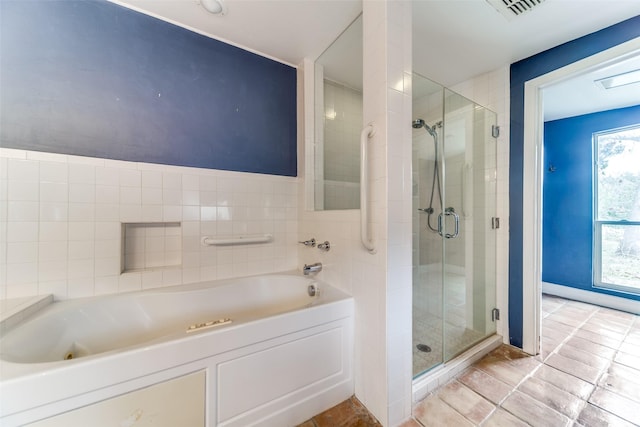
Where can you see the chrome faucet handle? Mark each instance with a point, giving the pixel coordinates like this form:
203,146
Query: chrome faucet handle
311,242
324,246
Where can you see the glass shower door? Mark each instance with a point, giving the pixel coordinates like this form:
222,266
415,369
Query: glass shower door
468,237
427,177
454,245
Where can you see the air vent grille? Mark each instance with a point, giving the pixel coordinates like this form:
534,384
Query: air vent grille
511,9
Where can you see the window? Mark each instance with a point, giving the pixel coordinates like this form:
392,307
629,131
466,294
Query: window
617,209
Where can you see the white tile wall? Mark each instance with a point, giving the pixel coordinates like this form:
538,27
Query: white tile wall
380,283
60,223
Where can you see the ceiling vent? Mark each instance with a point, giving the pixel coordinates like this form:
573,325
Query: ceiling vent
511,9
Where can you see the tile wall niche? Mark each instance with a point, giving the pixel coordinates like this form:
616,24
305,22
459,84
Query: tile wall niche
61,223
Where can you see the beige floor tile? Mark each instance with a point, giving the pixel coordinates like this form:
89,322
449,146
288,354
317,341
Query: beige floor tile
594,416
548,346
622,371
614,325
630,348
506,352
484,384
577,314
350,413
410,423
503,364
618,405
604,329
573,367
616,315
583,356
555,398
501,371
627,359
598,339
533,412
633,338
502,418
526,364
433,412
621,386
554,335
549,305
591,347
566,319
470,404
556,329
583,306
564,381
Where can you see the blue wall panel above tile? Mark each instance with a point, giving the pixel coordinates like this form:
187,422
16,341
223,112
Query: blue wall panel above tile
92,78
567,215
521,72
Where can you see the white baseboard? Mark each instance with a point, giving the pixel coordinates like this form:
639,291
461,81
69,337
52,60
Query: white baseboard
603,300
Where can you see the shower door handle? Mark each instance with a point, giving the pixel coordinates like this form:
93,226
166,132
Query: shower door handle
456,230
456,218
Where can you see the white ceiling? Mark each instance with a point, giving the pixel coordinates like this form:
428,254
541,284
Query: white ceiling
582,95
453,40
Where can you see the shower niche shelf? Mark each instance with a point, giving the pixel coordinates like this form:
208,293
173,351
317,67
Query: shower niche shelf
151,246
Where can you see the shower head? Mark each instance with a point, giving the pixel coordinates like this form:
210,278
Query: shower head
418,123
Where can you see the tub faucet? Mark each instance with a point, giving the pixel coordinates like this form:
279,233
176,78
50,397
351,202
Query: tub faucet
311,268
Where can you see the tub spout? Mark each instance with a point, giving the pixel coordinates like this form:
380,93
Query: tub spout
311,268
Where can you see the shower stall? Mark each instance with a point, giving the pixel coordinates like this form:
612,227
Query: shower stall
454,237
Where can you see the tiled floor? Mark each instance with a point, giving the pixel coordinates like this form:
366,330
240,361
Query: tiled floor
587,375
427,318
350,413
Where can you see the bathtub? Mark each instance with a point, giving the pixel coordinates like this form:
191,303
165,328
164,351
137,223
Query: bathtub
264,350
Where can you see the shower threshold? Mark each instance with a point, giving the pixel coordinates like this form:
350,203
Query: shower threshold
440,374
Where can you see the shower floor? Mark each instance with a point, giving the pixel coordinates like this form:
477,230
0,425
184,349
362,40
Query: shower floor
428,322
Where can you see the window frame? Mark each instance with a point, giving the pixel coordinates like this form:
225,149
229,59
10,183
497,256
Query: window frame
598,224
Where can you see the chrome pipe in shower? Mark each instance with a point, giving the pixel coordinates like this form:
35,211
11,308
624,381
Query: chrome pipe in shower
435,182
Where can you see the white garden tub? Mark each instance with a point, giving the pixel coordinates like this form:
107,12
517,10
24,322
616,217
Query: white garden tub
269,353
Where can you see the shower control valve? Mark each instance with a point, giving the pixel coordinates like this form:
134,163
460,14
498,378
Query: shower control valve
324,246
426,210
311,242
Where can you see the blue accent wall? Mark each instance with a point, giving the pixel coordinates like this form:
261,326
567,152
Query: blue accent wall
567,216
521,72
92,78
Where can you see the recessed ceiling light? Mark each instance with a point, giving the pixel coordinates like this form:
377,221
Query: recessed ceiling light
623,79
214,6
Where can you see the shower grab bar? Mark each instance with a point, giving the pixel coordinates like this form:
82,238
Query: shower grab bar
456,219
236,240
367,240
